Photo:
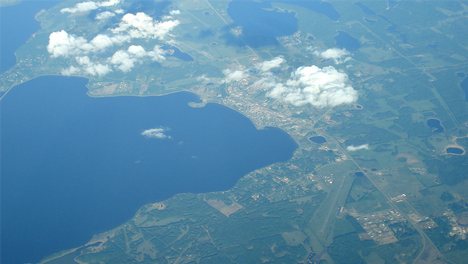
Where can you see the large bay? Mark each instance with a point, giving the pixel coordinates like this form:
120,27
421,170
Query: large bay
74,165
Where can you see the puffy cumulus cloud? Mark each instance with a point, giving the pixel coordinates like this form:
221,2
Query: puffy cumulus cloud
62,44
100,42
131,26
157,133
108,3
171,15
125,60
267,66
72,70
174,12
92,68
137,50
86,66
87,6
319,87
81,7
234,75
337,55
105,15
140,25
356,148
157,54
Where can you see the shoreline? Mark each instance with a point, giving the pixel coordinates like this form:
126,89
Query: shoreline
51,258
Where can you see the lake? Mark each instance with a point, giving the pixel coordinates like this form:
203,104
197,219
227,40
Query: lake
320,7
367,11
73,165
177,53
259,23
455,151
435,125
344,40
318,139
359,174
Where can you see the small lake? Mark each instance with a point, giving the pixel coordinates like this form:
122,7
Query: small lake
318,139
359,174
455,151
344,40
177,53
320,7
260,24
435,125
73,165
155,9
367,11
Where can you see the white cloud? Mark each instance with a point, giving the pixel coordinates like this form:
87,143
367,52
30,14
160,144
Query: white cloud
109,3
337,55
157,54
72,70
122,60
89,6
158,133
105,15
234,75
356,148
86,66
92,68
101,42
126,60
174,12
137,50
140,25
81,7
171,15
267,66
319,87
62,44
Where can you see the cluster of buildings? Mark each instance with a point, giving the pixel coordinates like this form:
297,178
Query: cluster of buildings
459,225
376,225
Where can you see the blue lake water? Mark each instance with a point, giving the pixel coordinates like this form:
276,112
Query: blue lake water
318,139
454,150
346,41
435,125
359,174
155,9
22,17
260,24
74,165
321,7
177,53
365,9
